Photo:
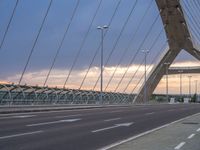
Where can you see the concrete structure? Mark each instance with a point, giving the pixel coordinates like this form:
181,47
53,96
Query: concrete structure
179,39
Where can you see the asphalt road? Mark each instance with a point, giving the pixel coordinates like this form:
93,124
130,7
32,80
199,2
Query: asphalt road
85,129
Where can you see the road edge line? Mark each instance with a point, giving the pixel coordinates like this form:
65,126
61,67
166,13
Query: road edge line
145,133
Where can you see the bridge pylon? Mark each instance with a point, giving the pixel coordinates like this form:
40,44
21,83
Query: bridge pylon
179,39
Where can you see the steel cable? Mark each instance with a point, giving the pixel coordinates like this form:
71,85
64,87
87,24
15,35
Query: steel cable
128,46
113,49
8,26
97,50
82,44
34,44
62,41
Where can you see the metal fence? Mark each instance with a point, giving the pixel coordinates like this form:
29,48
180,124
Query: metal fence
11,94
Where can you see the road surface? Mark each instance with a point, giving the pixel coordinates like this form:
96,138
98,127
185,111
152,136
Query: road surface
85,129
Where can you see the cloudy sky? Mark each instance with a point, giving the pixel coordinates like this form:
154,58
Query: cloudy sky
134,25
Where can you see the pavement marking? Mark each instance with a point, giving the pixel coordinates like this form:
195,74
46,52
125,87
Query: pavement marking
180,145
198,130
115,126
113,119
150,113
53,122
191,136
21,116
20,134
76,115
144,133
24,116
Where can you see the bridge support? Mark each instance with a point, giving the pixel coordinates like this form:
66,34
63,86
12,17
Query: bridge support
178,39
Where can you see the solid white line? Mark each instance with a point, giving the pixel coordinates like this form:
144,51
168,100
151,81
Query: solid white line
52,122
76,115
20,134
113,119
150,113
180,145
191,136
24,116
103,129
144,133
198,130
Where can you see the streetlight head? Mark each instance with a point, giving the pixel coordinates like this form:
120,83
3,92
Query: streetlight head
145,51
105,27
167,63
99,27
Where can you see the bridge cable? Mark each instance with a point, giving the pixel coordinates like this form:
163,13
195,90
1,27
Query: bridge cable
34,44
82,44
193,18
122,30
150,49
8,26
138,50
128,46
62,41
152,62
192,26
97,50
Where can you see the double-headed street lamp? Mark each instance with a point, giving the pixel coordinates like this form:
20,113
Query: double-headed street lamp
145,74
167,89
102,28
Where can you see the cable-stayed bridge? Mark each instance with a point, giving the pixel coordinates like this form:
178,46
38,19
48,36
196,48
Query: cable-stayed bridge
71,70
59,62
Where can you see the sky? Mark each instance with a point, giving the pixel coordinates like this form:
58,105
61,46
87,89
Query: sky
127,32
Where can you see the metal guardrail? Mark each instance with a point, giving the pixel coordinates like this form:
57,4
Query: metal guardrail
11,94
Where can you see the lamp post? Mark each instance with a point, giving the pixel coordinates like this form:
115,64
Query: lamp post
196,86
189,86
102,28
167,90
180,71
145,74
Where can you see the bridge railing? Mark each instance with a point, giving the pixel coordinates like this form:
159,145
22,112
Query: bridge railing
11,94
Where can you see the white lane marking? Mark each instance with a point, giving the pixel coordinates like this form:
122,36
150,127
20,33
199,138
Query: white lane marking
151,113
144,133
20,134
115,126
53,122
23,116
198,130
180,145
191,136
76,115
113,119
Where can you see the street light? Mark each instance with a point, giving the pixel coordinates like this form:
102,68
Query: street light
196,86
167,93
190,85
102,28
180,71
145,74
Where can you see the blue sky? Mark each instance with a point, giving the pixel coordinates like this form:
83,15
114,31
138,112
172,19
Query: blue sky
28,17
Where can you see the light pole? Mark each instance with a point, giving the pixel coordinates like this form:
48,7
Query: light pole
180,71
167,90
189,86
102,28
196,86
145,74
